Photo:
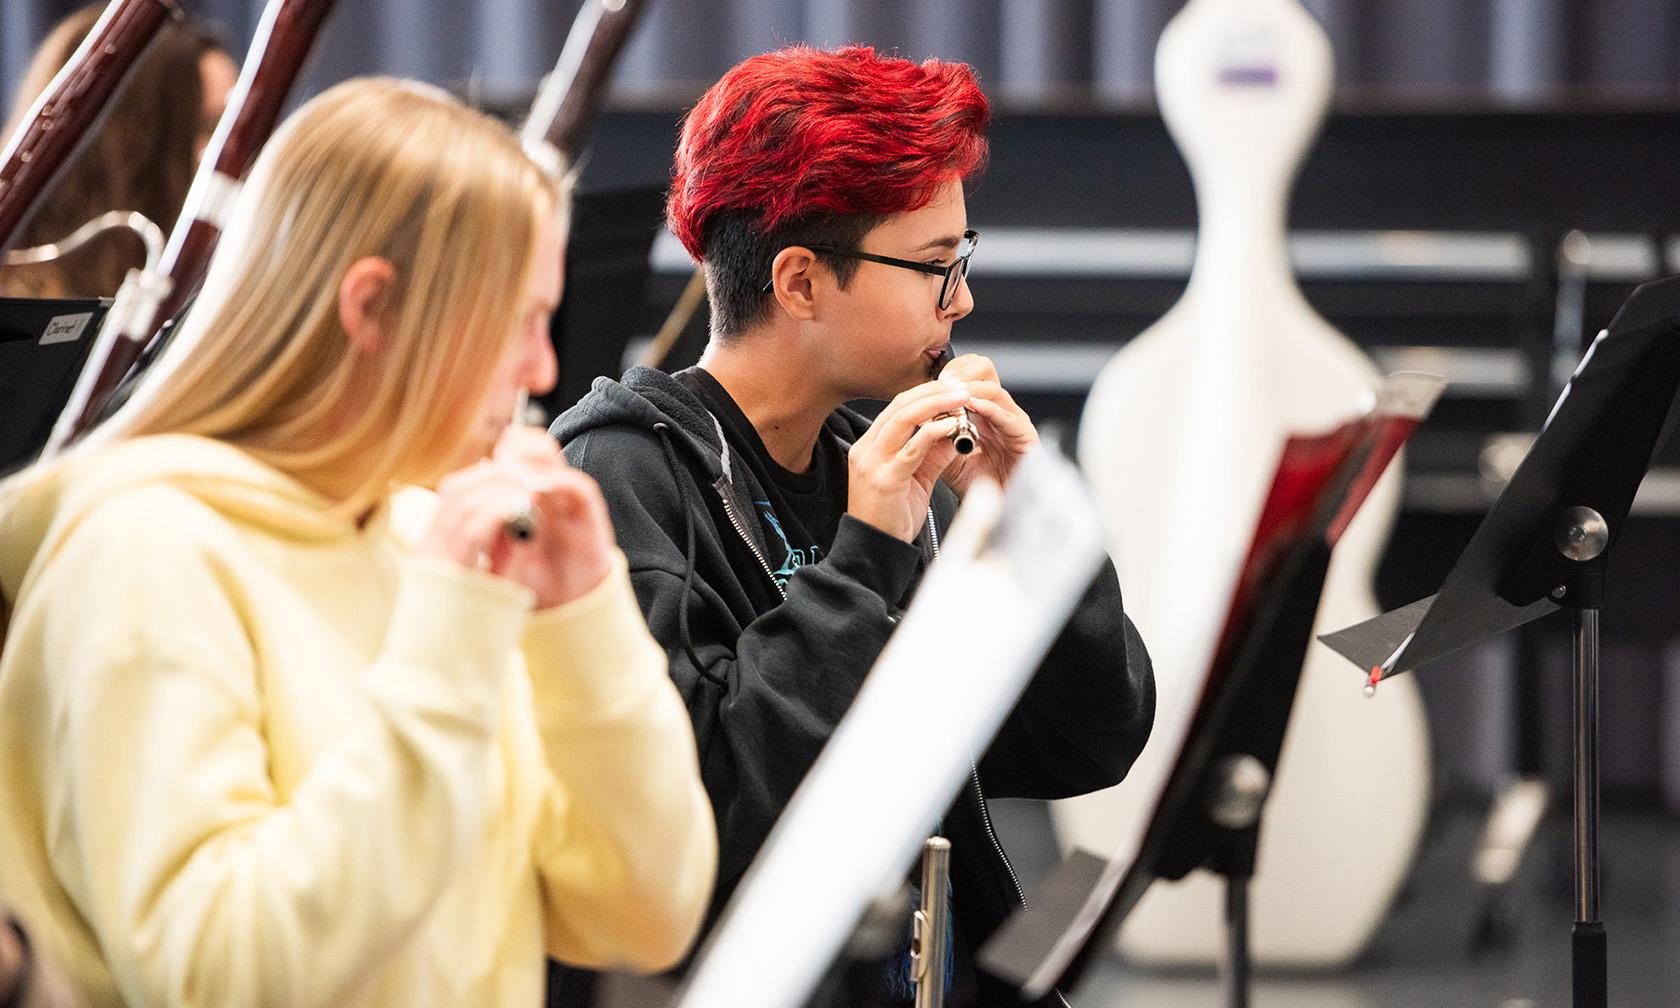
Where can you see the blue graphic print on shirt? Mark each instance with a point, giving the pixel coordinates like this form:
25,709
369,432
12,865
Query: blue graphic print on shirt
794,557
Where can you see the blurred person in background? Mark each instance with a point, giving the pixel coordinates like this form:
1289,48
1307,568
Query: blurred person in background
141,157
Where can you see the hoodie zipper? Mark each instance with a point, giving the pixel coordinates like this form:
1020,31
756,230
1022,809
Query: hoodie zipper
974,771
991,834
735,523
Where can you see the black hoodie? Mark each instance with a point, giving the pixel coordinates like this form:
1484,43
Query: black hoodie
768,678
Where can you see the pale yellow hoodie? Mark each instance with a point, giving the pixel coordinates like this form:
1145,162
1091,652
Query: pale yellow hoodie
251,754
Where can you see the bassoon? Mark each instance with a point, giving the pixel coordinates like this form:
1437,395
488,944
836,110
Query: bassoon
64,114
283,39
573,91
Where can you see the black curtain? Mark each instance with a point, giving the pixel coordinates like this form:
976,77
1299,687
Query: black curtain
1425,51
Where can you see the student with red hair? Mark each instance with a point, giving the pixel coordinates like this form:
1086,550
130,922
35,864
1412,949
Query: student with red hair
774,535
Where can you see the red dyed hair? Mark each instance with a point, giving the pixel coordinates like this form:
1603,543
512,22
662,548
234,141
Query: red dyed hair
801,132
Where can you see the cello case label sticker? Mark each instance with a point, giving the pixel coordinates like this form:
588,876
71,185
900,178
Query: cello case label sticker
1247,57
65,328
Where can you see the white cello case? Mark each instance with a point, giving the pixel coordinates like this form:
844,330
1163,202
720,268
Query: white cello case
1179,437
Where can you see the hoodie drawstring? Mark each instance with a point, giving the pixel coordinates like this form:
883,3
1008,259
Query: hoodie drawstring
677,475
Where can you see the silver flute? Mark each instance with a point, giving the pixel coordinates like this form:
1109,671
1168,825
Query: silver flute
963,438
930,924
521,523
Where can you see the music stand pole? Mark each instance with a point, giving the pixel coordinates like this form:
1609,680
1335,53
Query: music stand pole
1582,536
1588,939
1241,785
1236,941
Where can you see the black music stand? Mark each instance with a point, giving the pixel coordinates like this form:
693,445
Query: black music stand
1545,545
1208,814
43,343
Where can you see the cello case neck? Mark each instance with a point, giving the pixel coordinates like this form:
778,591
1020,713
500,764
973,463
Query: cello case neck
1243,86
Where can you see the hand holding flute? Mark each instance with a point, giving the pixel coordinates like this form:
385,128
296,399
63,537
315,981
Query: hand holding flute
569,547
997,431
521,522
918,438
892,468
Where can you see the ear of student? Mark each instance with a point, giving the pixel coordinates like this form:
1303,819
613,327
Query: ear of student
794,281
363,297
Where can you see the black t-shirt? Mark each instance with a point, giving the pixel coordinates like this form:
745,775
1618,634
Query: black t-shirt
804,510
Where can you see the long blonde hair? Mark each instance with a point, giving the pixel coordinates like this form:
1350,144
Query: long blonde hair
372,167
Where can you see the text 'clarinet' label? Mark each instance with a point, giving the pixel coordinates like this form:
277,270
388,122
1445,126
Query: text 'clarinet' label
65,328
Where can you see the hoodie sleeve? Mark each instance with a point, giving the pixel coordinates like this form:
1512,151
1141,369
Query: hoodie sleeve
1089,707
202,885
1087,711
763,696
625,849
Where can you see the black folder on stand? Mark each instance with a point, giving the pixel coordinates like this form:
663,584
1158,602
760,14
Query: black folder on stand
43,343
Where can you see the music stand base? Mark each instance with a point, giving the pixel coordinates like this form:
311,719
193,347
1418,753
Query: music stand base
1589,962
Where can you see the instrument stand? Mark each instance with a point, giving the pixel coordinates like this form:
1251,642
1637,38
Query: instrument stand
1243,783
1520,804
1588,941
1236,941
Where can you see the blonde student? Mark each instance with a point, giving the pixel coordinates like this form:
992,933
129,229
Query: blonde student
256,750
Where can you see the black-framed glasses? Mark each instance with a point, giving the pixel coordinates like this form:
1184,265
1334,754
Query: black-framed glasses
953,274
